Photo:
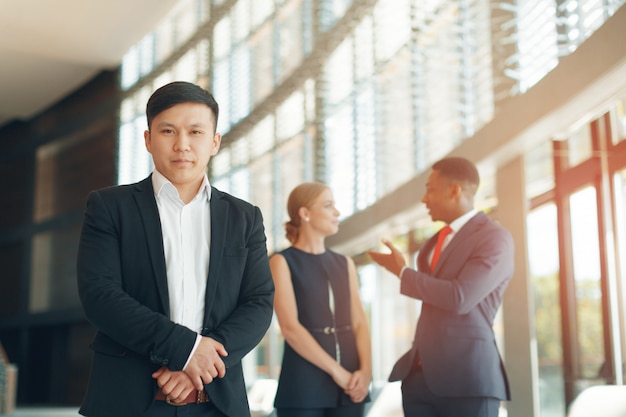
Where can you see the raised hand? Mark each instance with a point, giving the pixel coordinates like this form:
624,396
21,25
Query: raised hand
393,262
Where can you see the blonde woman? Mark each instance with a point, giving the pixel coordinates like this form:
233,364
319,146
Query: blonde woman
326,367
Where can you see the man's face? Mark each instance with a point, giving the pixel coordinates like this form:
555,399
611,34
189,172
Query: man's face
181,141
440,197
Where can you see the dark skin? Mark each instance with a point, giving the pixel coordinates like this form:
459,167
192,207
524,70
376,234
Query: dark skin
446,201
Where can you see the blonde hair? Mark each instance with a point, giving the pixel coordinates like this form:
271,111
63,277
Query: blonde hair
302,196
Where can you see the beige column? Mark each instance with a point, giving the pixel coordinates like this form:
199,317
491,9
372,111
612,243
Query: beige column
520,349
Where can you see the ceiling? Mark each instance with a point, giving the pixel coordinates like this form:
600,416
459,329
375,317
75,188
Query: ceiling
50,48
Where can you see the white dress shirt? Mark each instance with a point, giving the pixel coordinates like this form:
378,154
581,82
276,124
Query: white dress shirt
186,242
455,226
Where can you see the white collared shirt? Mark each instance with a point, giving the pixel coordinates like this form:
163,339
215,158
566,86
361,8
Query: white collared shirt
186,242
455,226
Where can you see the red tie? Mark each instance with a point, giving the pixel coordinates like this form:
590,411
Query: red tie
445,231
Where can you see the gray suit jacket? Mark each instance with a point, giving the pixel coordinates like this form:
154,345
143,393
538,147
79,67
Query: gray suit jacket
123,288
454,338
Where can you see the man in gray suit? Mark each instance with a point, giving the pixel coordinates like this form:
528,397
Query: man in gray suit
174,275
454,368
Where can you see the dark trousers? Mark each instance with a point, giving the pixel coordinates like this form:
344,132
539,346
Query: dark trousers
419,401
163,409
353,410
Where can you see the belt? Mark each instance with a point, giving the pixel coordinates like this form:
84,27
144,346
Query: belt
331,330
196,397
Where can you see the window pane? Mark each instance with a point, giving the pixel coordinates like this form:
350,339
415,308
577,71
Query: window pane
620,227
539,170
290,116
53,273
618,121
579,146
586,260
537,44
339,156
240,84
543,261
290,36
261,50
291,160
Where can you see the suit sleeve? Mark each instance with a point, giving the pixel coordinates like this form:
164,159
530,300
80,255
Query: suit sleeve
105,293
251,312
461,287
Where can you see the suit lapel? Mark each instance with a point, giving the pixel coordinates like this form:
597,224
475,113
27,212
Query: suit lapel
422,256
146,203
219,219
461,237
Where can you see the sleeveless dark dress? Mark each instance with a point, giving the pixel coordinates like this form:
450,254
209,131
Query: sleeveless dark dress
301,384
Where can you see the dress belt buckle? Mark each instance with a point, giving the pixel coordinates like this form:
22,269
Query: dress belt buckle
170,402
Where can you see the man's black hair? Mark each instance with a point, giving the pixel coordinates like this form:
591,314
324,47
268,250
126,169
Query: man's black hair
179,92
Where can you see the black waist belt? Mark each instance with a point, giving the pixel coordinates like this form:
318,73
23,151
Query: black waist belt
331,330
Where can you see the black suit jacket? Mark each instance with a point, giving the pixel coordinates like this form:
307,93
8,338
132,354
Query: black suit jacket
123,288
454,338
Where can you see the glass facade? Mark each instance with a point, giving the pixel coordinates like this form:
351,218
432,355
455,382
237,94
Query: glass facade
364,96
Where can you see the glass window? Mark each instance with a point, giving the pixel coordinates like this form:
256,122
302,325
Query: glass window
579,145
262,188
338,73
392,21
240,183
262,60
364,49
365,158
537,43
586,263
221,92
539,170
241,20
186,68
164,47
185,21
398,137
620,227
260,11
290,36
291,162
53,270
290,116
129,72
239,152
240,84
262,136
339,155
618,121
222,38
331,11
543,261
220,165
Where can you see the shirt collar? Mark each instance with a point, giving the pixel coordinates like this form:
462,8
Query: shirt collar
460,221
160,182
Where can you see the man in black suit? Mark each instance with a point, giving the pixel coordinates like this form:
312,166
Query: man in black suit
174,275
454,368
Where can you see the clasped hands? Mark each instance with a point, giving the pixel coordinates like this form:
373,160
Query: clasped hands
392,262
203,367
354,384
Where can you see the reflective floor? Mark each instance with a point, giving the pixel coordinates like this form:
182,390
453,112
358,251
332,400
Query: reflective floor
45,412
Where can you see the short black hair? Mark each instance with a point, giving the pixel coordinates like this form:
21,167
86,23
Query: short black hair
458,169
178,92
